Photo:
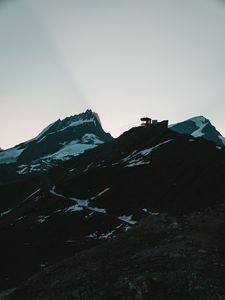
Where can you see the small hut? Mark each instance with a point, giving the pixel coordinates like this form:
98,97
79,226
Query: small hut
146,121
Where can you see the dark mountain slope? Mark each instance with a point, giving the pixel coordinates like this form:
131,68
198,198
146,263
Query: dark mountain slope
103,192
177,164
162,258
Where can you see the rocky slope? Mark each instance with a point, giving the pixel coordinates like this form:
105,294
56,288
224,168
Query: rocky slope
200,127
103,192
58,142
164,257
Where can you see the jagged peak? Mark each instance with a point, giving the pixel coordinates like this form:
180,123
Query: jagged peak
84,116
74,120
198,120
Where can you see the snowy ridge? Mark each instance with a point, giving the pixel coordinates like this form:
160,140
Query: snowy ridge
199,127
41,135
60,141
199,121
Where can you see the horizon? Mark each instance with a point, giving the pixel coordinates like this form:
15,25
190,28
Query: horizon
123,59
119,130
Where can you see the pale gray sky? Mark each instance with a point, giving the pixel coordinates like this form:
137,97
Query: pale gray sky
121,58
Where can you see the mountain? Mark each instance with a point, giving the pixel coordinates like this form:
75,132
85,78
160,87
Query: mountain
58,142
199,127
164,257
104,192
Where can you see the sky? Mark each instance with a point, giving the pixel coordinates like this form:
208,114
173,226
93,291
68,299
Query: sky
124,59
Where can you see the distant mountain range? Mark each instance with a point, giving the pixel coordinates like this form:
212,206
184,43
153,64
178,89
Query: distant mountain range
199,127
74,135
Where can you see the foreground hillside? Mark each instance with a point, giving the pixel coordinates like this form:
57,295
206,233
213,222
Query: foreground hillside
104,192
163,257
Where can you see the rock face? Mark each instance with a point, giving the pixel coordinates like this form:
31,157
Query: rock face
200,127
104,192
58,142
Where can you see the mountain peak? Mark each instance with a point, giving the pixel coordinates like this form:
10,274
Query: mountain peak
59,141
87,115
60,125
200,118
199,126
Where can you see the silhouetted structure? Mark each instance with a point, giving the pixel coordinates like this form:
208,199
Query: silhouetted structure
149,122
146,121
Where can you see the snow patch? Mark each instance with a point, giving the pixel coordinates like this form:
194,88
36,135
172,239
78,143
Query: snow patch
99,210
21,218
80,204
103,235
136,157
74,208
101,193
199,121
222,139
68,150
52,191
90,137
127,219
10,156
41,219
73,148
6,212
34,166
88,167
150,212
198,132
134,163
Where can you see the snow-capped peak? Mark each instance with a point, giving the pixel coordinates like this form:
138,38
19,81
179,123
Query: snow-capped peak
199,121
199,126
86,117
59,141
60,125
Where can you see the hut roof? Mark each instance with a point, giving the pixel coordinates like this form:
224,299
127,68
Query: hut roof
145,119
